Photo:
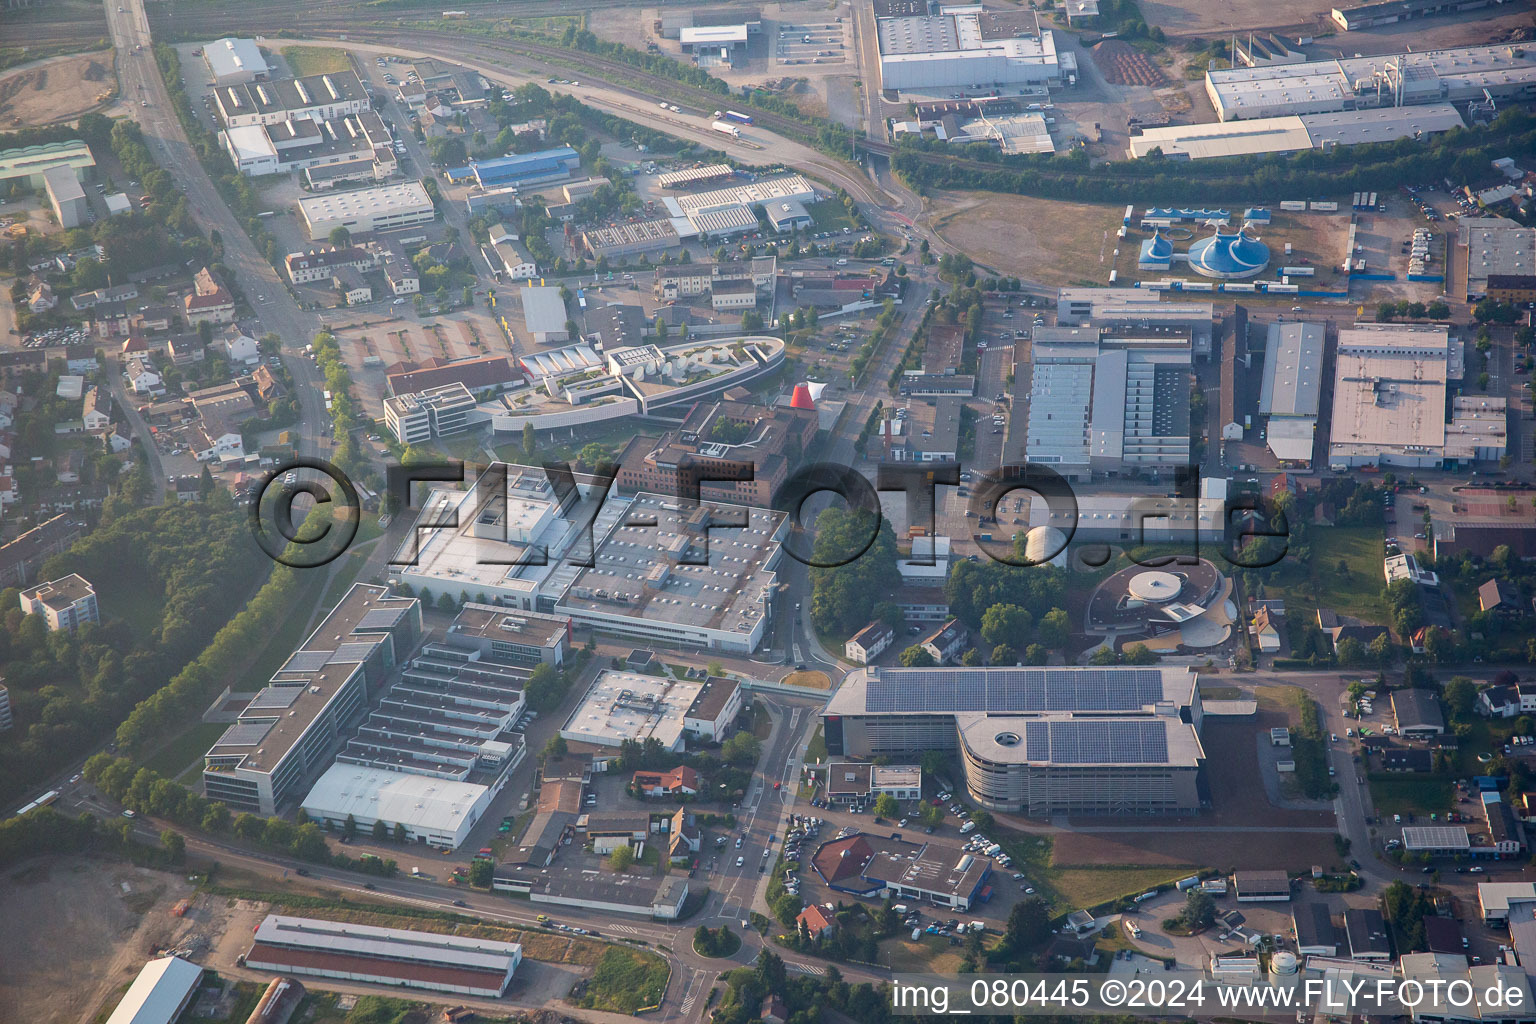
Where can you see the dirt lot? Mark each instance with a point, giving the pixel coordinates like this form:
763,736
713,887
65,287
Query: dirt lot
86,936
56,91
1206,17
1041,240
1217,849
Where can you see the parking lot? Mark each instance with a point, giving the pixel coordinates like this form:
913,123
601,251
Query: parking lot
818,42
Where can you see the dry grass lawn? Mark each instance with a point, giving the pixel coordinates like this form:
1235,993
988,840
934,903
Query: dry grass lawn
1042,240
811,680
316,60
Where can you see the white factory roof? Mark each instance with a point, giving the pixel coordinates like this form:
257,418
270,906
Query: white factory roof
766,190
695,35
231,56
628,706
1389,389
1293,370
369,202
419,802
543,309
1383,124
251,142
1224,138
158,993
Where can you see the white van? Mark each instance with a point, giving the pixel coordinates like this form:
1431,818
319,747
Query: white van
900,908
968,827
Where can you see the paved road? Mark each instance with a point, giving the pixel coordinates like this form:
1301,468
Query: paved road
276,310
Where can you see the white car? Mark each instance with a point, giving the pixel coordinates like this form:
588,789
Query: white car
398,302
740,862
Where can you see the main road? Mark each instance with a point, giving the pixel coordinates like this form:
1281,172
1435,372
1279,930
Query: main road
143,88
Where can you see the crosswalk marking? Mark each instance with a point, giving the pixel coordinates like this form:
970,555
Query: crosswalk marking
804,968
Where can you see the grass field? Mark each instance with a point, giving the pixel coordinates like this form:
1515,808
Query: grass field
190,746
1087,887
1419,796
811,680
1359,593
316,60
932,954
626,980
829,215
816,750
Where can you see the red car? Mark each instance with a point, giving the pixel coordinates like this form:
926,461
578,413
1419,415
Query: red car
778,785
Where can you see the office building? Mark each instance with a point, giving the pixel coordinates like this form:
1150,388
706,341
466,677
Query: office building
699,459
291,727
380,208
384,956
1497,257
439,411
6,718
1038,741
65,603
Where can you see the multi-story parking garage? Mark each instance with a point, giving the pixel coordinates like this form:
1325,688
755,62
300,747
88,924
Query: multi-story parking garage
1038,740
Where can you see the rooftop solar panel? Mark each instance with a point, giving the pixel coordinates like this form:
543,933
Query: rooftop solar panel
1108,742
276,697
381,618
352,652
306,661
243,734
1012,690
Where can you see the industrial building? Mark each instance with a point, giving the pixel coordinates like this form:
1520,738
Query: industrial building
632,238
162,990
661,897
1457,75
1067,740
432,811
66,196
359,144
544,167
621,706
1292,390
1110,401
544,314
754,194
1389,12
1490,248
29,164
313,98
232,61
1291,133
385,956
291,727
1389,403
969,48
380,208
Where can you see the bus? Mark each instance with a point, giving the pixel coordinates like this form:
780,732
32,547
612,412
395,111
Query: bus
581,298
42,801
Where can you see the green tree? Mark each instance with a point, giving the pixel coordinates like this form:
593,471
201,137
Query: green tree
555,747
591,456
1029,925
917,656
1460,698
886,806
1002,654
1006,624
1055,629
349,827
340,237
621,858
380,830
742,749
1199,910
175,845
1139,654
528,442
481,871
401,834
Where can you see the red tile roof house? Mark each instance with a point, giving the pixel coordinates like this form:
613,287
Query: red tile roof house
816,921
680,780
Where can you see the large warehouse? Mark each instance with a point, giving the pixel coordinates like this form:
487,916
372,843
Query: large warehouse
539,168
1039,741
158,995
966,47
1109,401
1389,403
382,208
1458,75
1292,132
434,811
234,61
1292,390
385,956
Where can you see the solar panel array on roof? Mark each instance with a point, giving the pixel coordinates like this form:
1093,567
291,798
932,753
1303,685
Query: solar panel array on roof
1108,742
306,661
276,697
244,734
352,652
1013,690
379,618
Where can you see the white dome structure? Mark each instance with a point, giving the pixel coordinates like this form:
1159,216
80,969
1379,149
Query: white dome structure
1283,963
1154,587
1046,545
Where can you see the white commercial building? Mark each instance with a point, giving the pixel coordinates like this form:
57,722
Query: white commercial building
438,812
234,61
317,97
159,994
1293,132
381,208
966,47
754,194
1292,390
386,956
1457,75
1389,403
544,314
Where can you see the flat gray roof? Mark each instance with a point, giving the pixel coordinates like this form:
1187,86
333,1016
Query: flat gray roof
543,309
1293,370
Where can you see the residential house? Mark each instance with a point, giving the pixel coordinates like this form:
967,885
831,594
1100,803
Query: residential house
1498,702
81,358
97,412
64,603
816,921
868,643
40,298
9,494
239,347
67,469
354,288
1498,597
945,643
774,1010
1266,631
681,780
144,380
185,349
1345,627
1406,759
210,301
